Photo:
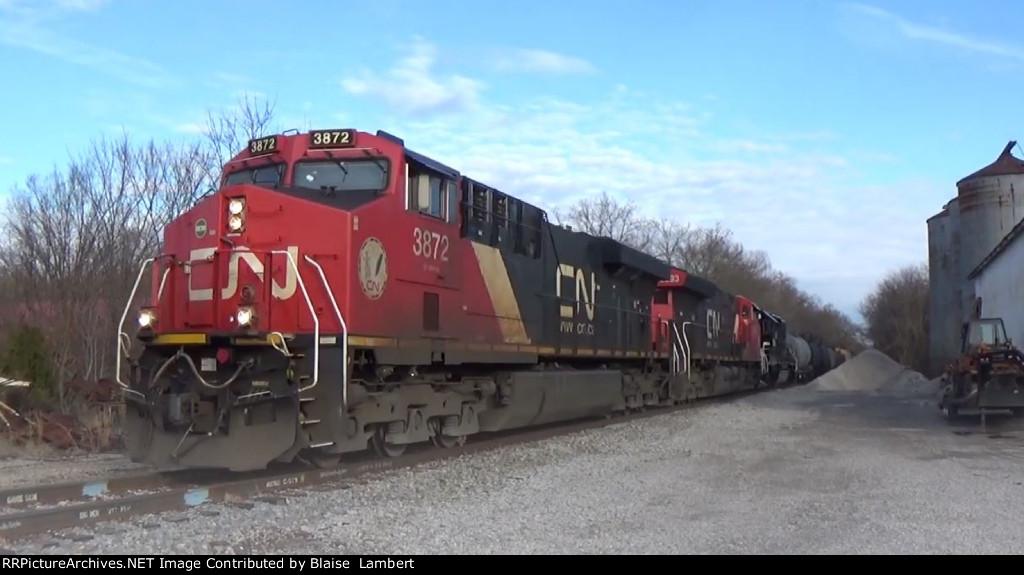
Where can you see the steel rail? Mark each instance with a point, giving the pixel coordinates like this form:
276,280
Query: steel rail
18,525
57,493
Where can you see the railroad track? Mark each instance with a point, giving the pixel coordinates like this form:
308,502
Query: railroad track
37,510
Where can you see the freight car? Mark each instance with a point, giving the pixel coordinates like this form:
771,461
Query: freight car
801,367
341,292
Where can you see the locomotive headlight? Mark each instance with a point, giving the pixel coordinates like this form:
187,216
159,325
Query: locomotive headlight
146,319
236,215
245,316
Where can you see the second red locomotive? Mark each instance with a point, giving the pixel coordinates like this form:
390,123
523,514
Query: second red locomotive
340,291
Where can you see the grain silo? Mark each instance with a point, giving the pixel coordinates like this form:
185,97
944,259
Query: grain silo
943,299
987,206
990,205
991,202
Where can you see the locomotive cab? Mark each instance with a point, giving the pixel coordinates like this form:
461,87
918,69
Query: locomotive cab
250,308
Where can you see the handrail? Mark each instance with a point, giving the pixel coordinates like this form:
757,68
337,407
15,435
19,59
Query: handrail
686,339
686,351
312,312
163,281
122,348
121,335
344,334
676,349
764,358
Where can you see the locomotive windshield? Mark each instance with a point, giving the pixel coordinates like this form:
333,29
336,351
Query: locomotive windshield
268,176
341,176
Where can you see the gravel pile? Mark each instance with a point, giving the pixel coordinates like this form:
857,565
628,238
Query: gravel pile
874,372
763,475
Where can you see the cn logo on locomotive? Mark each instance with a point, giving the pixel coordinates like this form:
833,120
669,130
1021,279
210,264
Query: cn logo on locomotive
582,295
714,323
238,255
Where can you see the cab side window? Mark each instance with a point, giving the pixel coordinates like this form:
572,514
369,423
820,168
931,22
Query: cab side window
430,194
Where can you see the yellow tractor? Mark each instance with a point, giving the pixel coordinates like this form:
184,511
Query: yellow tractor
988,375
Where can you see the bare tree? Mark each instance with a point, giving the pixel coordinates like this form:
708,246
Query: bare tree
74,238
605,217
715,254
226,133
670,240
895,314
77,237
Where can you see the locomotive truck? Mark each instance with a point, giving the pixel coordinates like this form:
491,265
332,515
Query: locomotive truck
341,292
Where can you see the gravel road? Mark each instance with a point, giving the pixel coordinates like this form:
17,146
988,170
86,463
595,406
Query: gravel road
861,470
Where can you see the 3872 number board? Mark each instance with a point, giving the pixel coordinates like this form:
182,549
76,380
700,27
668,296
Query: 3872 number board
262,146
331,138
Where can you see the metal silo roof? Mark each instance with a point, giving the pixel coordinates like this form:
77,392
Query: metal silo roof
1005,164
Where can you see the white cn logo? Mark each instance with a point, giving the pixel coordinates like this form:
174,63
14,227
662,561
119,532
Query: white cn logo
583,295
238,255
714,324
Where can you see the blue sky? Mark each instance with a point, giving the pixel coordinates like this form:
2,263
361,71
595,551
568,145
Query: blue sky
824,133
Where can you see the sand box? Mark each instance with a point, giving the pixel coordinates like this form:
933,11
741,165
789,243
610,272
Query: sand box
874,372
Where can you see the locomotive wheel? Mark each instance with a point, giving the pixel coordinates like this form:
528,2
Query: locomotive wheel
382,447
444,441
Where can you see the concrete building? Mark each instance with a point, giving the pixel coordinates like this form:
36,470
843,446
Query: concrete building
989,203
998,283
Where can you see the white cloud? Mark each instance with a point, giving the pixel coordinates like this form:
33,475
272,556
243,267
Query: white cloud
787,194
747,146
80,5
543,61
918,31
194,128
228,80
410,86
31,25
43,9
6,160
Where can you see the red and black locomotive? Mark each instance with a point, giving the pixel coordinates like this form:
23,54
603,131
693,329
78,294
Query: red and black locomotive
340,291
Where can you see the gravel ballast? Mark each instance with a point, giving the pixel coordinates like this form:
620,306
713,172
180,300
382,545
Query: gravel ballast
846,467
19,469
